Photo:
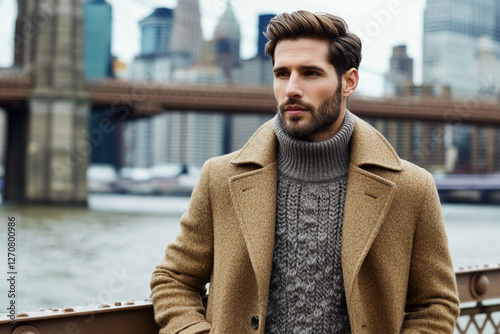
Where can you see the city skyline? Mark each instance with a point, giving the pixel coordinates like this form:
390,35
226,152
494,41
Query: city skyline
381,24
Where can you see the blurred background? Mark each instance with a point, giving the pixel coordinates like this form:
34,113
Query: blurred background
108,109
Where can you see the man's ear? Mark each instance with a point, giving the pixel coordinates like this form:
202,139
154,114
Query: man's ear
350,81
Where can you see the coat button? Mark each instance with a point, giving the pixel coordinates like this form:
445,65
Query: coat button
255,323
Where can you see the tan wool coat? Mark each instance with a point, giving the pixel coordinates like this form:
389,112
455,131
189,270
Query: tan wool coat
396,264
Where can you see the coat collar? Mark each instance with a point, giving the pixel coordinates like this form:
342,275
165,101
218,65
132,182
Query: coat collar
368,147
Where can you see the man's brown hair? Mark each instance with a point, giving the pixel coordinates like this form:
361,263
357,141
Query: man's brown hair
344,47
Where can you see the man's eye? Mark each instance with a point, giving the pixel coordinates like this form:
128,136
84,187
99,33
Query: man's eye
280,74
312,73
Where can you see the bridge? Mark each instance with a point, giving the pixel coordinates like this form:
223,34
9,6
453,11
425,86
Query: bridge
132,99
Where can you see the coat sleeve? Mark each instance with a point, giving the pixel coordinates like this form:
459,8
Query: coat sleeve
432,304
178,283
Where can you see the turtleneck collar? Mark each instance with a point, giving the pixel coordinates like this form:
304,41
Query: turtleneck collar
314,161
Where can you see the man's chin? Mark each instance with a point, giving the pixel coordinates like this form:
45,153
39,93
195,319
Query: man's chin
294,119
295,129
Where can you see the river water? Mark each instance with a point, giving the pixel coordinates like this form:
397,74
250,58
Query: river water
106,253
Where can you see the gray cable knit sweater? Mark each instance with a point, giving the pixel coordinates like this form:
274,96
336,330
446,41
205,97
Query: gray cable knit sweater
307,293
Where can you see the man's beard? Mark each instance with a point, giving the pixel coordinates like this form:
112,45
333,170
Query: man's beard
322,118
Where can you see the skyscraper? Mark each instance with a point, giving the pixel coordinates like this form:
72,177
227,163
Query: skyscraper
259,69
452,48
98,64
187,37
156,31
97,39
156,60
227,40
171,42
461,48
264,20
400,73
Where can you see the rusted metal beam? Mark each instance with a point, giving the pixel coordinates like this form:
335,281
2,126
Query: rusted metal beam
475,284
478,283
127,318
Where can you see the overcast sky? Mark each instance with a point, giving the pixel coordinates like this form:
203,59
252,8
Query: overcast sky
381,24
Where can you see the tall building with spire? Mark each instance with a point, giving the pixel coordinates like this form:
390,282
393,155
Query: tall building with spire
187,37
227,40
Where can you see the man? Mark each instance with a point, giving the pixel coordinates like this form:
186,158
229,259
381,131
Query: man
316,225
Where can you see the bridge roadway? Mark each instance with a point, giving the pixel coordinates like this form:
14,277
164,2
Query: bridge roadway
142,99
475,284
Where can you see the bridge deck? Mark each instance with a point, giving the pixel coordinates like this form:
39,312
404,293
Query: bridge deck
139,99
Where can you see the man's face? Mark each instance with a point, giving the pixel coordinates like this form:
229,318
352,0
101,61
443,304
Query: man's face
307,89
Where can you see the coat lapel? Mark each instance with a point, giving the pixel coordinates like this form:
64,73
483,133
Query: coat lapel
367,202
368,197
253,195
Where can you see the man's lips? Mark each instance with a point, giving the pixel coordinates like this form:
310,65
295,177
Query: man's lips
295,109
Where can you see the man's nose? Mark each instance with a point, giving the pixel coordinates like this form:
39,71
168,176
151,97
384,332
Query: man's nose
294,88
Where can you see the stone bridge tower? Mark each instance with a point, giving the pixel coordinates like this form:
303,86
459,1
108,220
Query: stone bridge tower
50,162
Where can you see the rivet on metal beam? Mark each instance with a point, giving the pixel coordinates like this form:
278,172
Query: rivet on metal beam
130,302
479,284
68,309
103,305
22,315
55,309
26,330
42,309
118,303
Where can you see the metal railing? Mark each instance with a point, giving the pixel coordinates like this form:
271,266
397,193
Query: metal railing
478,289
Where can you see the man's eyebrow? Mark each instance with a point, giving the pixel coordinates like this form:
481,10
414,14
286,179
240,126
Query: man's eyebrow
279,69
302,68
311,67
